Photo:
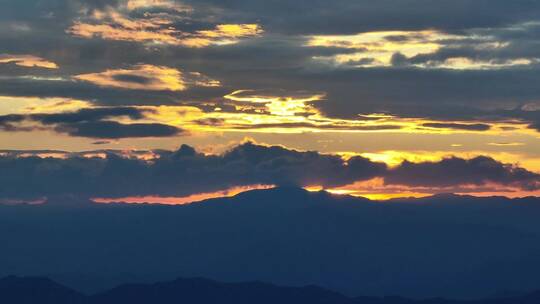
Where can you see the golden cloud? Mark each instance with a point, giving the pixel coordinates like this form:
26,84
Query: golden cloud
285,111
148,77
377,49
278,111
157,28
262,96
29,61
35,105
277,103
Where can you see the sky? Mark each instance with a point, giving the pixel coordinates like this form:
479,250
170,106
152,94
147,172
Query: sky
145,99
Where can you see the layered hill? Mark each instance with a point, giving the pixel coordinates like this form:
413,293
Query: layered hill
446,245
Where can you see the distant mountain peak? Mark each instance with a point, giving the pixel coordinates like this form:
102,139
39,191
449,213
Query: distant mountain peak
290,196
279,190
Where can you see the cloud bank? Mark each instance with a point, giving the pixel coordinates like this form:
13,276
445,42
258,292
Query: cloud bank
186,171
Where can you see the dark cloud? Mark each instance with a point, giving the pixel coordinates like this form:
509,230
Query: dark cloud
115,130
210,121
101,4
91,123
458,171
186,171
458,126
28,87
181,172
280,58
361,62
398,59
7,122
132,78
347,16
87,115
437,94
101,142
82,115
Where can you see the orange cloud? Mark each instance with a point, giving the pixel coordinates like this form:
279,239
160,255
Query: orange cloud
157,28
182,200
143,33
148,77
377,189
29,61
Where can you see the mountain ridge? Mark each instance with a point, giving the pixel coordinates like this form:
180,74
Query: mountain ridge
299,192
205,291
470,247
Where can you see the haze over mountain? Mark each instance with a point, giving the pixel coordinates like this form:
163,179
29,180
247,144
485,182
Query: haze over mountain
446,245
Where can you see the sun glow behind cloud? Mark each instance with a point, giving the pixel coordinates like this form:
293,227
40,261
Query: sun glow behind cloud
182,200
374,189
260,113
476,175
127,76
246,110
286,112
377,189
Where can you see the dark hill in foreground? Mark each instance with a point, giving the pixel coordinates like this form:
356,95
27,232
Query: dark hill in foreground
447,245
16,290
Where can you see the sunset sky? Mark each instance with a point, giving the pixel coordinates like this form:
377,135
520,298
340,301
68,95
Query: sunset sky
172,101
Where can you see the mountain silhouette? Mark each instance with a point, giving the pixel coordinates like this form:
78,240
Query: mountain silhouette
207,291
15,290
447,245
23,290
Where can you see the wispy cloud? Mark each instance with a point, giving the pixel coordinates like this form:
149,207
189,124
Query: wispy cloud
425,49
29,61
148,77
163,27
